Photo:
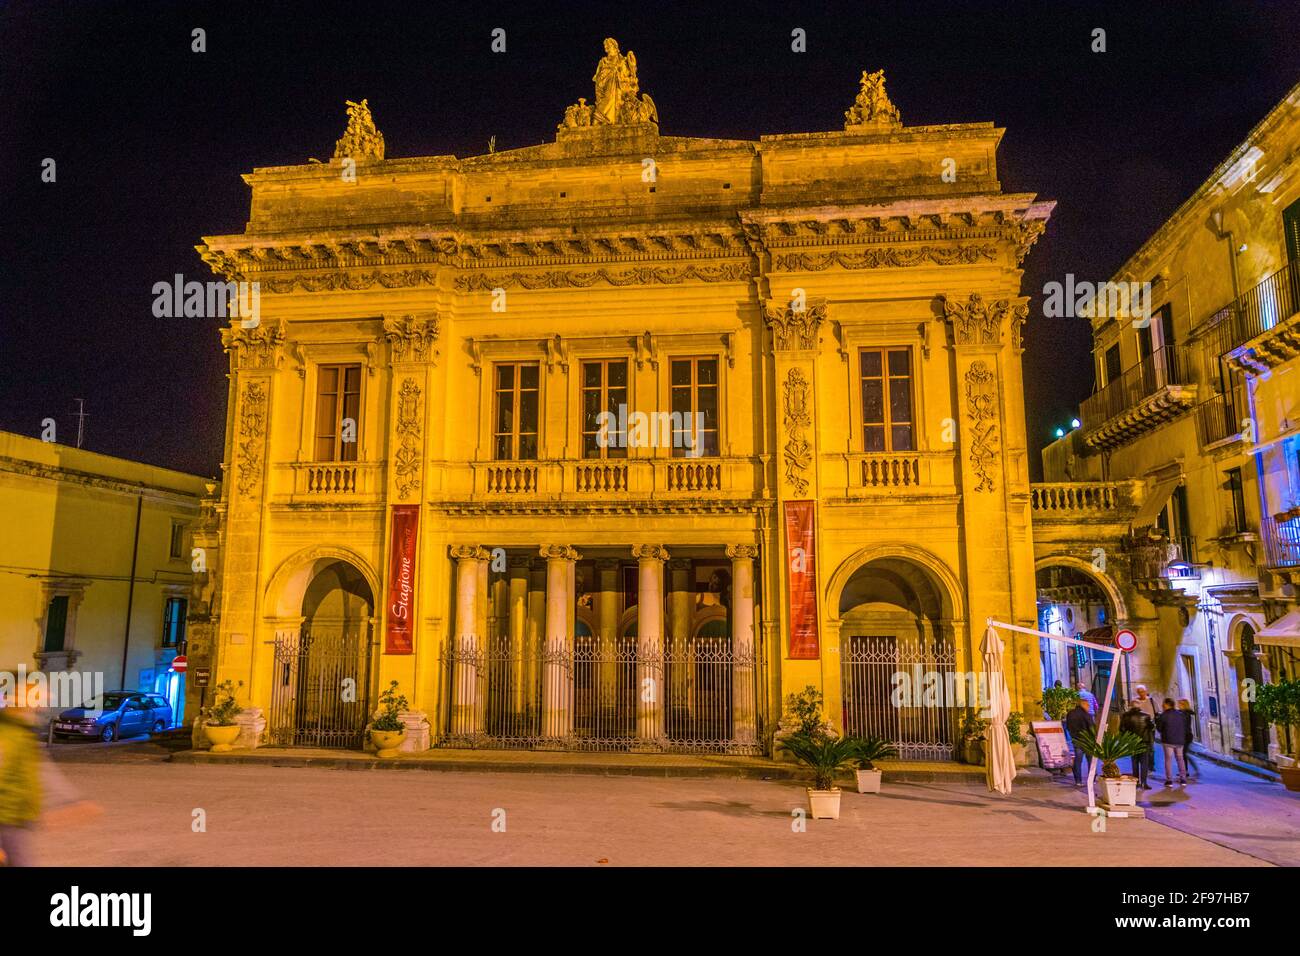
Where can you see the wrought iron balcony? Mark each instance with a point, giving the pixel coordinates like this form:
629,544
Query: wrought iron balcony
1157,561
1265,307
1219,418
1153,391
1281,542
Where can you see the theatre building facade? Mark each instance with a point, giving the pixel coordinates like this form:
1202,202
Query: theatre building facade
614,441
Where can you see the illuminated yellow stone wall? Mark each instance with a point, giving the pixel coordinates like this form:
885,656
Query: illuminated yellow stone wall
616,241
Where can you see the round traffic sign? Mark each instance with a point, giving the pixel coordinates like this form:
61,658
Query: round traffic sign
179,664
1126,641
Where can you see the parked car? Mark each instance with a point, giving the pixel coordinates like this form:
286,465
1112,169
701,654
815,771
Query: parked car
121,713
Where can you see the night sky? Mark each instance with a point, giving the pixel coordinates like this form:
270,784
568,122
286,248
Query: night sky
150,140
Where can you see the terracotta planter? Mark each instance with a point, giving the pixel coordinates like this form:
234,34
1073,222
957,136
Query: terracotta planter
221,738
869,781
387,741
1119,792
1291,777
972,752
824,804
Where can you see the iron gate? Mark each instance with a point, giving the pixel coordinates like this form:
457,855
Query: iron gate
321,687
904,691
598,694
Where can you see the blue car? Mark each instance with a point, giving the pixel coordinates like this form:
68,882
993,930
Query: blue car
123,713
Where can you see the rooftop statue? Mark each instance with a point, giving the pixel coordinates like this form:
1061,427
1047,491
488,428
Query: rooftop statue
619,100
872,107
360,140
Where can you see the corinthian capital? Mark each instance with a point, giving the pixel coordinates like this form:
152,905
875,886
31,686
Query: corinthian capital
795,328
650,552
469,552
976,322
412,336
560,551
257,347
742,552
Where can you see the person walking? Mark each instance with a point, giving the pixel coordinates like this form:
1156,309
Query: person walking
1078,721
1093,705
1147,704
1135,720
1186,705
20,785
1175,729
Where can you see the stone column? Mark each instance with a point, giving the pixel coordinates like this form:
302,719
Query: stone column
557,686
650,640
517,615
679,667
535,628
608,608
466,709
743,662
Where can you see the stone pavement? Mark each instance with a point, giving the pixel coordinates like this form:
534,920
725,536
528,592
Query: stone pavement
268,815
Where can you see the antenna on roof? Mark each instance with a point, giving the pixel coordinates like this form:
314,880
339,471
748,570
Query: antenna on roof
81,419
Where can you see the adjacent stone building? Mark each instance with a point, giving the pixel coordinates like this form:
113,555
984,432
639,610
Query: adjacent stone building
613,441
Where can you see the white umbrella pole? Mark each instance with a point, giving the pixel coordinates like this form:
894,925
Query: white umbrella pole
1101,729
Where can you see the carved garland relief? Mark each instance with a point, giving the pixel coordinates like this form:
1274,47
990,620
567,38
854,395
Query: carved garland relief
982,408
406,463
798,418
252,423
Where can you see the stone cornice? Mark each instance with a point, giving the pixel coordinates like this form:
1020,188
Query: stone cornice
30,469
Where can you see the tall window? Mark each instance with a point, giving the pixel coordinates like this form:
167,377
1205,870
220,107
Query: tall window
1238,500
56,623
1291,229
177,546
515,432
695,406
174,622
1112,364
338,412
887,419
604,389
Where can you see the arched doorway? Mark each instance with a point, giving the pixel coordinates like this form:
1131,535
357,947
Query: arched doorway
321,693
899,658
1074,600
1254,731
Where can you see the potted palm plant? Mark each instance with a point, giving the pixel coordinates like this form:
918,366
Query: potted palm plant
1119,789
825,755
973,729
387,729
220,727
1279,704
869,750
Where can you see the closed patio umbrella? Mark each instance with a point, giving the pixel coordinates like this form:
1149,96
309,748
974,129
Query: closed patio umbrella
1000,763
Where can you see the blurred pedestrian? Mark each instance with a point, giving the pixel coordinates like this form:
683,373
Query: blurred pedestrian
1079,722
1093,706
1175,729
1186,705
20,783
1136,721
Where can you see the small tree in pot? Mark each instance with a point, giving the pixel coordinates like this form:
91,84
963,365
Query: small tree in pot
1120,790
869,750
387,729
220,727
973,729
1279,704
825,756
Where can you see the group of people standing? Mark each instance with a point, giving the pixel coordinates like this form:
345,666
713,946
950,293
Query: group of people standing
1173,726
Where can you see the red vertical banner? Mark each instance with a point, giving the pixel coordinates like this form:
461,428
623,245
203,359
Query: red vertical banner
801,555
399,634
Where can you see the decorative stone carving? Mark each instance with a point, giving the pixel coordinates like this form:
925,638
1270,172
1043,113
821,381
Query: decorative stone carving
742,552
798,418
361,140
406,463
258,347
559,551
795,329
574,279
975,322
886,257
619,100
982,408
872,106
252,425
352,282
469,552
650,552
412,336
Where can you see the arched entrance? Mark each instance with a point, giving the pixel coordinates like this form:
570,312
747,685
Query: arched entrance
1075,600
1254,731
321,693
899,657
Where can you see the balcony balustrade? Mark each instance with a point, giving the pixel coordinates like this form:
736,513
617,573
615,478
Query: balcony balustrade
1151,392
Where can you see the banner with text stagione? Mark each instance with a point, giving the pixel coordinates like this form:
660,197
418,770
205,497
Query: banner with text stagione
801,551
399,634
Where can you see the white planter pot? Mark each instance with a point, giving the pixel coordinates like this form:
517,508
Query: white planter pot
869,781
1119,792
824,804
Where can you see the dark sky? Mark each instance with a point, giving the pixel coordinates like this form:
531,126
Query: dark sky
150,139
